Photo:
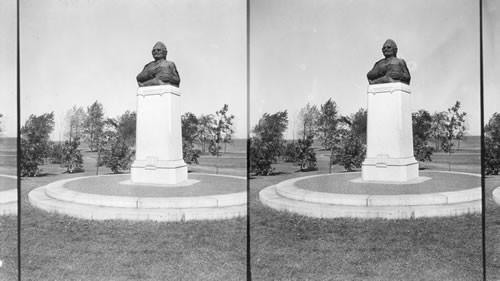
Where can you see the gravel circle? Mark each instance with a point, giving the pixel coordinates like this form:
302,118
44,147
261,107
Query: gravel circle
341,184
110,185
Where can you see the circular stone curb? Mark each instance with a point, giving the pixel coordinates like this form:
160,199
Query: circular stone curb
496,195
54,197
289,190
285,196
8,199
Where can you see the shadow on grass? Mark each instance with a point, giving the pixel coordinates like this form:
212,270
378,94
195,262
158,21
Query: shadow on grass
111,173
41,175
280,173
253,176
306,170
76,171
345,172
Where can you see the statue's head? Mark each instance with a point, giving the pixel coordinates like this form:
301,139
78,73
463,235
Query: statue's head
159,51
390,49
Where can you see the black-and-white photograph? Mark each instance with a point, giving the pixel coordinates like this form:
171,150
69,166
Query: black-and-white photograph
249,140
365,140
8,142
133,125
491,43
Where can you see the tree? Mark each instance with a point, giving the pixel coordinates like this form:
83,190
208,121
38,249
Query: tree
127,127
227,138
454,123
438,129
72,157
56,153
205,130
359,124
421,124
189,153
268,142
1,124
261,157
117,142
93,124
350,150
74,119
327,123
351,153
117,154
290,152
327,128
35,144
189,125
221,126
308,120
189,135
349,140
492,145
306,157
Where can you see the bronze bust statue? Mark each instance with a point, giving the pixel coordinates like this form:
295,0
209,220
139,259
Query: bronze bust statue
390,69
160,71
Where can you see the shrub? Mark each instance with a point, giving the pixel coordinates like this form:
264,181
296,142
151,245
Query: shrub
56,153
290,153
351,153
72,157
306,157
190,154
117,154
261,157
492,145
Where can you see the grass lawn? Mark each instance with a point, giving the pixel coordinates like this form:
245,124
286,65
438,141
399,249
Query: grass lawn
492,230
8,224
286,246
57,247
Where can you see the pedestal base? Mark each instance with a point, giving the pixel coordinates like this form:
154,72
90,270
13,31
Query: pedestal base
389,153
163,172
390,170
159,139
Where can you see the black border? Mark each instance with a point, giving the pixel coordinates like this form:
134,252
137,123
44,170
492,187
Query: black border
481,105
249,263
18,146
248,258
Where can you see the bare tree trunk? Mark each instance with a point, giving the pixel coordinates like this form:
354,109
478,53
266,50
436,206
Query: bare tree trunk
217,159
98,160
304,133
449,155
331,160
70,132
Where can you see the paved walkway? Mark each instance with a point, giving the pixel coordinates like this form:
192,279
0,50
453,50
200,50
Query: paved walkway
8,195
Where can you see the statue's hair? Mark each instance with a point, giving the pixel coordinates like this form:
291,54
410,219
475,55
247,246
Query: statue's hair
392,42
161,45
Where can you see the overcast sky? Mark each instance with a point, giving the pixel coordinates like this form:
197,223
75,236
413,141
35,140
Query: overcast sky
8,67
77,51
491,22
310,51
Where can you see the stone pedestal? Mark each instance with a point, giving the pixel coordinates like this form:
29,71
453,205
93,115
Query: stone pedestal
158,137
389,155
